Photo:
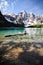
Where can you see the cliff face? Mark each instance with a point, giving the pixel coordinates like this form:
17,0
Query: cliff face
5,23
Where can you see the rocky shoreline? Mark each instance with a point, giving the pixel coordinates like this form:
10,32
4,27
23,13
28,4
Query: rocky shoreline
20,51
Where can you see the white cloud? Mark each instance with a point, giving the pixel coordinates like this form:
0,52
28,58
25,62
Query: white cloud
3,2
13,4
34,8
4,5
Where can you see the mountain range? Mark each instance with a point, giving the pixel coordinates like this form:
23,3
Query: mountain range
20,20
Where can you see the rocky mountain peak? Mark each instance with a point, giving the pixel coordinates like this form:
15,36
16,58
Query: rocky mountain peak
23,18
31,14
23,14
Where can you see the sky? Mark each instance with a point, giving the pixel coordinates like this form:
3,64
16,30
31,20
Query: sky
15,6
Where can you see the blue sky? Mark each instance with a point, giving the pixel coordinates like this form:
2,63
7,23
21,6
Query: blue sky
15,6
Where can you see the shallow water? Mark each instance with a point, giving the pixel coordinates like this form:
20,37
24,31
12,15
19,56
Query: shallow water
34,31
11,31
35,34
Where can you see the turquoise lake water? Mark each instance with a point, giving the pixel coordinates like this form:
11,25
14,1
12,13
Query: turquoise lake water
29,31
11,31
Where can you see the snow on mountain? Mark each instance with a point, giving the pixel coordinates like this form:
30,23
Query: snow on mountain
11,18
23,14
25,18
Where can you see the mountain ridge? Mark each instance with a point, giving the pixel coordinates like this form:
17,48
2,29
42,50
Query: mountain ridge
5,23
24,19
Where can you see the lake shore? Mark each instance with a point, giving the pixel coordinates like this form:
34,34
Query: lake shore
17,50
